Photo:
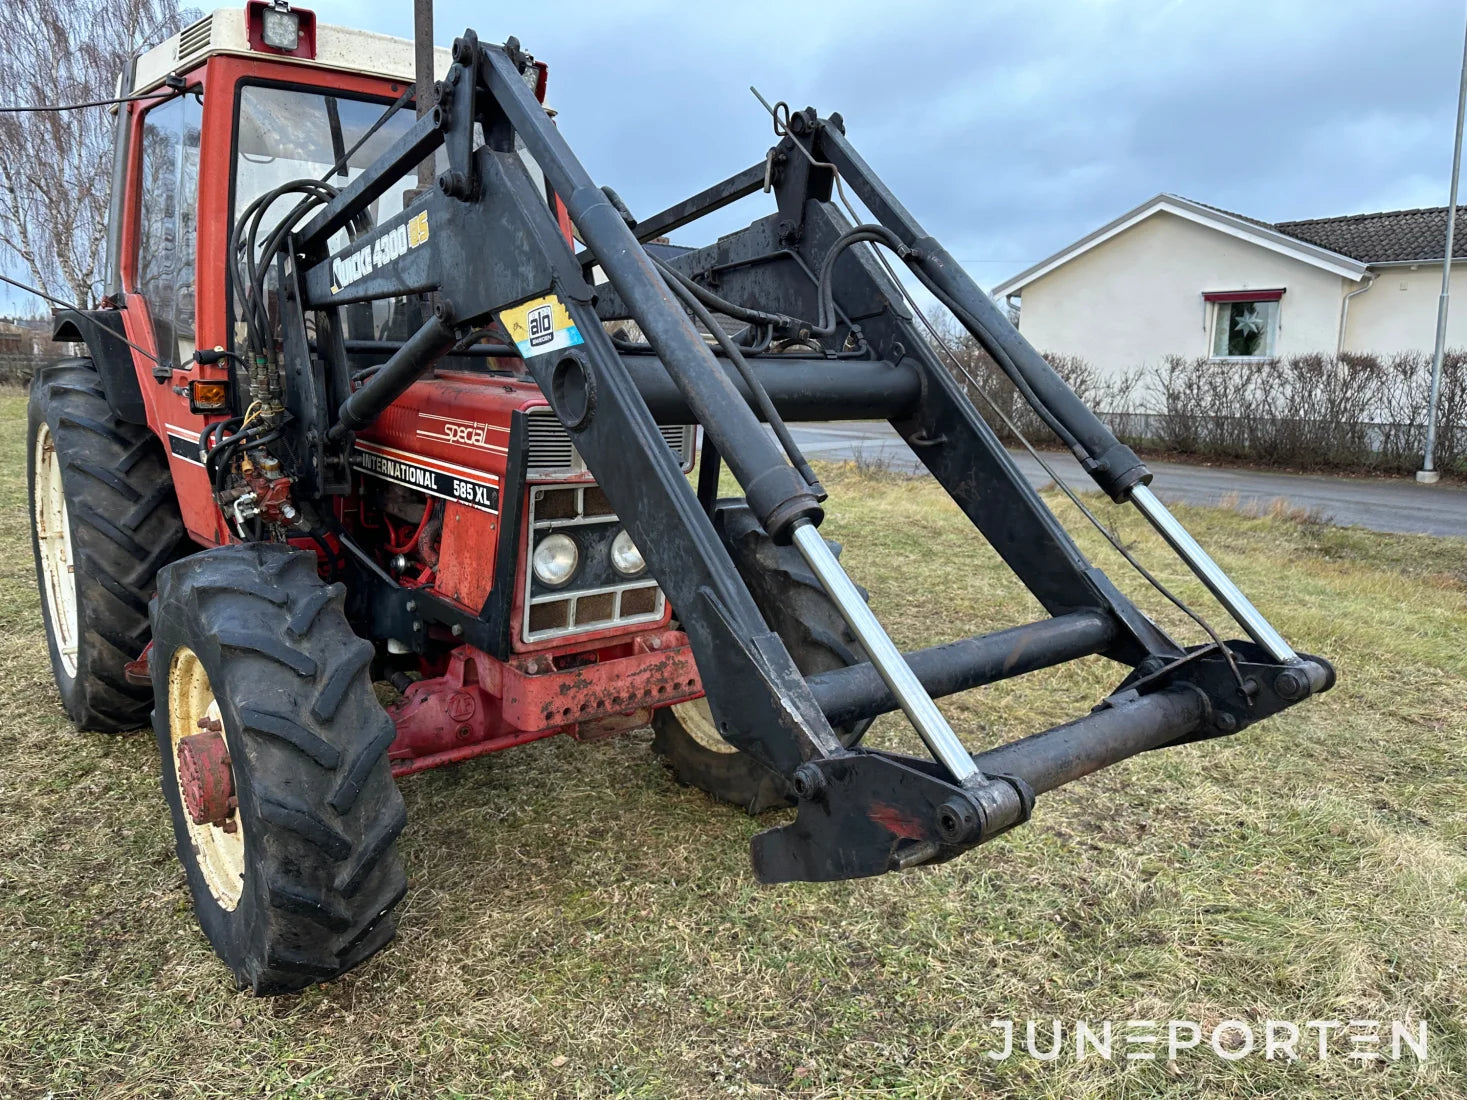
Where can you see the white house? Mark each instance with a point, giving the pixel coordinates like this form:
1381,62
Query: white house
1178,277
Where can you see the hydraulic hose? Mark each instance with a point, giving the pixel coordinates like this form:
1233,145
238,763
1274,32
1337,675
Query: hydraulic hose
746,372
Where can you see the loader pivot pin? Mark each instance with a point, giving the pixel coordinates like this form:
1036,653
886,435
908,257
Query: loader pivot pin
908,691
205,777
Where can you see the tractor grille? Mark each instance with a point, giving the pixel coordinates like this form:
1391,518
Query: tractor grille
552,454
550,449
596,597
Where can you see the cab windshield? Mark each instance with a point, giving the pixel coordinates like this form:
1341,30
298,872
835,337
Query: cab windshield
288,134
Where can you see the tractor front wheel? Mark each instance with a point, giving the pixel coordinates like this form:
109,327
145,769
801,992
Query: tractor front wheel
274,752
818,639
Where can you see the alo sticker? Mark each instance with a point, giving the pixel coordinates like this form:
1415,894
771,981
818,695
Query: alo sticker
541,325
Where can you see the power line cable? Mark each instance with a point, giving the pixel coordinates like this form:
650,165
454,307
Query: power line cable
72,305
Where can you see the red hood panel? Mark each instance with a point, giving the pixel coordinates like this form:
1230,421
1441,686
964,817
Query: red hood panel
456,419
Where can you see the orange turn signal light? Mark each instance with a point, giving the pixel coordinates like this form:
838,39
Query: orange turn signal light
206,396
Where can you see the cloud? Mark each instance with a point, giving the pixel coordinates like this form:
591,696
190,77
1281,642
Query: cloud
1009,129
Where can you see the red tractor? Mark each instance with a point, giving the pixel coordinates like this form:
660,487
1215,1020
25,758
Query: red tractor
335,427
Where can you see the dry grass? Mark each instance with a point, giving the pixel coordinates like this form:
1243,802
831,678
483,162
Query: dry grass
578,925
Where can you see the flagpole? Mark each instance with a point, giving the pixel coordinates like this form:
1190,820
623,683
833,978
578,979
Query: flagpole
1428,472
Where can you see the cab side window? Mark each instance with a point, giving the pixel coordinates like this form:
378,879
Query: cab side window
168,223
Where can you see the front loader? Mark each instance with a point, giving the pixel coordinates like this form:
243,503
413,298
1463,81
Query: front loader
336,428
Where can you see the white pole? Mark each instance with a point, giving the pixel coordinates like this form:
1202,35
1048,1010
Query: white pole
1428,473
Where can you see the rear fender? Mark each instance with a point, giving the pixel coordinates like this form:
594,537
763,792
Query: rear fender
102,332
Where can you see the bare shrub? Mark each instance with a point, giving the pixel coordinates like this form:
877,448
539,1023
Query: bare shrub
1350,412
17,369
1116,398
873,464
1353,412
55,168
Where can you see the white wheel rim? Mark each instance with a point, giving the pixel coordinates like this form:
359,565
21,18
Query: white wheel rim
697,719
53,538
219,854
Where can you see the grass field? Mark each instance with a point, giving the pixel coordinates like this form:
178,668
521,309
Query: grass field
578,925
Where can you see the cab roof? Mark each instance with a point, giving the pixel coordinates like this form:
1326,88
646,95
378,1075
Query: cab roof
224,31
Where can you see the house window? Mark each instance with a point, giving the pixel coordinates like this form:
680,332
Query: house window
1244,324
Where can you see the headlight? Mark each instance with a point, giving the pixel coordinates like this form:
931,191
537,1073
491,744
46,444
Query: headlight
555,559
625,556
280,27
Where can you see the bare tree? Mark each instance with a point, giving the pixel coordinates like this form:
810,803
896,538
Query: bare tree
55,167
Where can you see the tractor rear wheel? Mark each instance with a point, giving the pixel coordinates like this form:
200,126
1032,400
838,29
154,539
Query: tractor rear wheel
103,520
274,753
817,637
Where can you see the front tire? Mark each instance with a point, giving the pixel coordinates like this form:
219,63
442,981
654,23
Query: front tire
797,608
294,880
104,518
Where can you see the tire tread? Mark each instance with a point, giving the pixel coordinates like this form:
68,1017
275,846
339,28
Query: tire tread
125,525
325,869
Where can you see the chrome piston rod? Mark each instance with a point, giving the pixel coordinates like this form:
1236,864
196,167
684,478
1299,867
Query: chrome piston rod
1218,583
918,706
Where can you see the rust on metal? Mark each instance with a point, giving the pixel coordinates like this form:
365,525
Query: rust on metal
205,777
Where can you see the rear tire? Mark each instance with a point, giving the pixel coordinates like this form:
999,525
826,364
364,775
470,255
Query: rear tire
817,637
103,520
303,887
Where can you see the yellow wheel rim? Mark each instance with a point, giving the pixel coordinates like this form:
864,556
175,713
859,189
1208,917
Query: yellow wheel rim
218,853
697,719
53,541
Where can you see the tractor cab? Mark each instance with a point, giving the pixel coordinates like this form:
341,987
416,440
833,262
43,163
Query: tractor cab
229,111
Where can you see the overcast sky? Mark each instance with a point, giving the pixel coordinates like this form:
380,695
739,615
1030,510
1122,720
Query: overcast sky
1009,129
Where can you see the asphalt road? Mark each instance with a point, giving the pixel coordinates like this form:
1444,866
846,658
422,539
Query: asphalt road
1380,504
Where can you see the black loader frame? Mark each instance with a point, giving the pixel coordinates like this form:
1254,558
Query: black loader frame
487,242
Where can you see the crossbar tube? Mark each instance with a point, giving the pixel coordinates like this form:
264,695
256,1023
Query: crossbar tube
1065,753
801,389
857,692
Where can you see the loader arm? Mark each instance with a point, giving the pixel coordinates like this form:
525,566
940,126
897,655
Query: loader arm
488,249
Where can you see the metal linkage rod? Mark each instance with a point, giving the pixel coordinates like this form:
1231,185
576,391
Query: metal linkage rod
918,706
705,202
419,352
1210,573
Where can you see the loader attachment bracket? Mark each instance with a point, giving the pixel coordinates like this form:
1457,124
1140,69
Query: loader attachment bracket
823,333
1246,690
864,813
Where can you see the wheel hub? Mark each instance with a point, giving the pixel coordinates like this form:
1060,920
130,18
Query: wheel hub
205,777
